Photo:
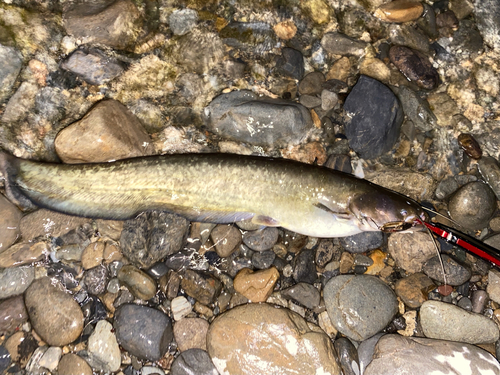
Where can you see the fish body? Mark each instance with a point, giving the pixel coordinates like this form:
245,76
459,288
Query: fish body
219,188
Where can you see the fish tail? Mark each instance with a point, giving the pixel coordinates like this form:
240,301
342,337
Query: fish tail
9,167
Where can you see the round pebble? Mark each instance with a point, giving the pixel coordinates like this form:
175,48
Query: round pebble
72,364
191,333
256,286
226,239
15,280
92,255
262,239
54,314
193,362
415,66
140,284
362,242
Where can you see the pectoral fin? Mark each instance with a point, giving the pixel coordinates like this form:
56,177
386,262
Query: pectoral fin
339,215
265,220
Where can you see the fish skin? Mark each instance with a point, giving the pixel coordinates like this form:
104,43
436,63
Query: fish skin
220,188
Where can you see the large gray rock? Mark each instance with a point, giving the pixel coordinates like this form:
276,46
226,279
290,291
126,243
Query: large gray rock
244,117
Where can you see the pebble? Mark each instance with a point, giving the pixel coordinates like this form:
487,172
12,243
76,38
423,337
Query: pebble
325,252
487,16
118,129
291,63
465,303
456,274
417,109
139,283
152,236
373,118
49,223
249,36
310,101
304,269
10,70
472,205
340,44
413,289
23,254
12,314
263,259
110,228
285,30
182,21
348,356
417,355
445,321
50,359
193,362
96,280
378,257
493,288
362,242
15,280
415,66
303,293
72,364
143,331
190,333
248,338
479,300
180,307
256,286
328,100
93,255
359,306
11,216
261,239
226,239
312,84
411,250
104,352
203,287
93,67
490,170
399,11
54,314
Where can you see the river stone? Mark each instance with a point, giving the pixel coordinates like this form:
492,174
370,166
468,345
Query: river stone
15,280
261,239
193,362
72,364
411,250
373,118
49,223
250,338
340,44
413,289
143,331
109,131
202,286
191,333
487,14
243,116
417,355
24,253
54,314
445,321
490,170
493,287
456,273
291,63
12,314
93,67
11,66
362,242
472,205
182,21
103,349
9,222
152,236
415,66
139,283
359,306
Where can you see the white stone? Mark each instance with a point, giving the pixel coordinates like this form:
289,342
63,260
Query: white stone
51,357
103,348
180,308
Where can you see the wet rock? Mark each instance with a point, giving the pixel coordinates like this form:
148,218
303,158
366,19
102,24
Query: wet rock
417,109
418,186
182,21
317,10
12,314
180,307
72,364
310,101
109,131
472,205
10,220
23,253
444,107
488,21
304,268
325,252
359,306
54,314
93,255
416,355
191,333
348,356
446,187
445,321
21,103
261,239
340,44
193,362
291,63
412,289
328,100
415,66
152,236
312,84
143,331
411,250
243,116
201,286
96,280
93,67
262,260
490,171
139,283
362,242
303,293
104,352
15,280
456,274
11,66
493,287
226,239
256,286
95,22
50,358
373,118
479,300
249,36
465,303
399,11
251,337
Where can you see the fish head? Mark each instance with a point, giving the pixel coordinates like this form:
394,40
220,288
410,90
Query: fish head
387,211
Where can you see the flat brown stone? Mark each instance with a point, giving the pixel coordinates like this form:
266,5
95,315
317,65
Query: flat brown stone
399,11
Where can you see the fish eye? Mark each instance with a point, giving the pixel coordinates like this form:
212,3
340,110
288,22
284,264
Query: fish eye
404,212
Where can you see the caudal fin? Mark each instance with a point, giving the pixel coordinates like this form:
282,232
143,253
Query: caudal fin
9,167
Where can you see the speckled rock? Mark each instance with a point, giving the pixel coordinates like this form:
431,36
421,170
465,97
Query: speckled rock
191,333
411,250
202,286
359,306
143,331
251,337
261,239
490,170
415,66
226,239
54,314
12,62
493,287
49,223
9,222
362,242
24,253
445,321
94,67
487,14
412,289
182,21
456,273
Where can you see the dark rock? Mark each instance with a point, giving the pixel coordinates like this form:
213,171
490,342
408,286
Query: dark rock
152,236
158,270
465,303
94,67
144,332
456,274
303,293
373,118
340,44
487,14
193,362
261,239
362,242
180,260
415,66
12,315
417,109
243,116
446,187
325,252
201,286
310,101
263,259
5,359
66,275
312,84
291,63
348,356
304,268
96,280
470,145
467,39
